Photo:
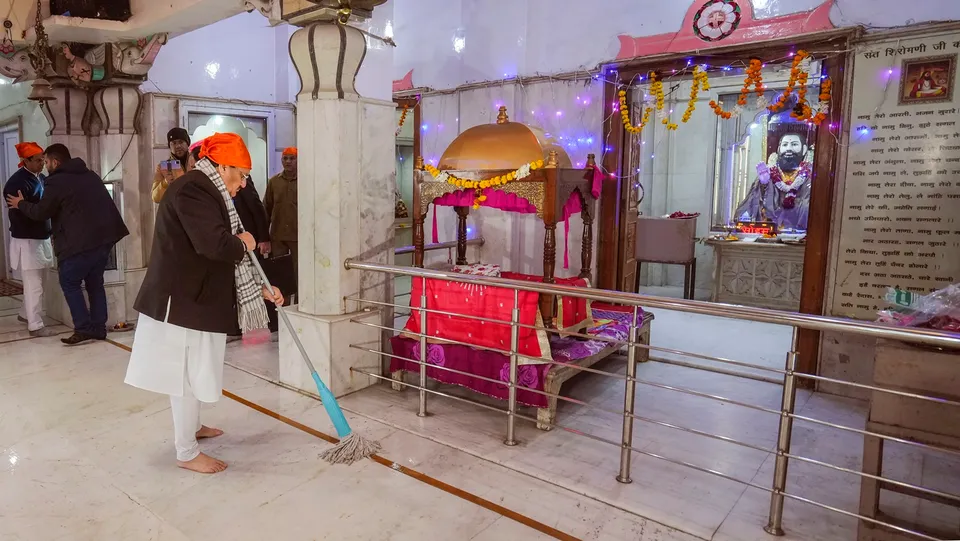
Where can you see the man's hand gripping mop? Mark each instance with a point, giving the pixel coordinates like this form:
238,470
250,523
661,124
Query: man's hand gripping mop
352,446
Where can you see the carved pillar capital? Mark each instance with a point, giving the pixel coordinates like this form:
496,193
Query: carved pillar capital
118,107
69,113
327,57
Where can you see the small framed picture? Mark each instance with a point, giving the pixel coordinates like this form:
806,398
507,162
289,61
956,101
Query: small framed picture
927,80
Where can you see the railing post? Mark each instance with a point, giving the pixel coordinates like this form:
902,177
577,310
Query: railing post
784,434
629,395
512,390
422,411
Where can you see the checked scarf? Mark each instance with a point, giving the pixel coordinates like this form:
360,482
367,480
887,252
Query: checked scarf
252,311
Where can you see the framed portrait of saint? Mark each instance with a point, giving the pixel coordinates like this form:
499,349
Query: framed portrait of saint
927,80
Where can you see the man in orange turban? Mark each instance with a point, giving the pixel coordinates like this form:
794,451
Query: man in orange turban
280,200
30,251
199,279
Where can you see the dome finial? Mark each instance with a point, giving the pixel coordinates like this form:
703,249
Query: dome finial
502,118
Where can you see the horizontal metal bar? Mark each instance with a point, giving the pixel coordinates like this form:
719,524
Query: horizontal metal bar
851,514
612,341
930,491
779,317
677,462
721,360
402,250
468,401
862,432
701,433
707,395
907,394
491,380
725,372
494,350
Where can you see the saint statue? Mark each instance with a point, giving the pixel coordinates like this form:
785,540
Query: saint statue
781,194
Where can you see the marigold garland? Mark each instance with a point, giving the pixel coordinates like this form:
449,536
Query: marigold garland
754,78
795,72
480,185
625,115
700,81
403,117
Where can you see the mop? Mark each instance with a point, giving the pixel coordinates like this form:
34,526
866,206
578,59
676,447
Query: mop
352,446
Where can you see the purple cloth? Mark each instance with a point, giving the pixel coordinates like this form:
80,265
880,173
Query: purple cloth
496,366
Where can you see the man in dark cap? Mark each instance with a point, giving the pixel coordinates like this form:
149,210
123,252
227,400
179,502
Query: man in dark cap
169,170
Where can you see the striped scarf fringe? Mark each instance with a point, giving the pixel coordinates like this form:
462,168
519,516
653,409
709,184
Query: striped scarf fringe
251,309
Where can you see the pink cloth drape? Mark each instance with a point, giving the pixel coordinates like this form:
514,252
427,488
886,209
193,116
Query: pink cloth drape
511,202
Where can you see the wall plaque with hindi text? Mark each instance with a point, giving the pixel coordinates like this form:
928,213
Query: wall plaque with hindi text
899,220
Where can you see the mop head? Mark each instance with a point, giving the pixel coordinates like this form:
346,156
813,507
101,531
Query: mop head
351,448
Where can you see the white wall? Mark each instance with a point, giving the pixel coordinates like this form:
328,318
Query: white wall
527,37
515,241
242,57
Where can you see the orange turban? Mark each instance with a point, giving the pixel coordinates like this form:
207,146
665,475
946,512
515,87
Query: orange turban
290,151
226,149
28,149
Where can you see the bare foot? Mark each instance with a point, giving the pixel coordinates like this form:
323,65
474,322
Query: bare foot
207,432
203,464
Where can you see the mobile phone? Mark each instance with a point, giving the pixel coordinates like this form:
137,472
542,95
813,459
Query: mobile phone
170,164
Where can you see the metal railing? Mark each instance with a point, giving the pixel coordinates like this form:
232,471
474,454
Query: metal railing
788,379
448,245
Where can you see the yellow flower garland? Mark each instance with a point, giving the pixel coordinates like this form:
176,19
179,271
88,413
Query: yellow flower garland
700,81
480,185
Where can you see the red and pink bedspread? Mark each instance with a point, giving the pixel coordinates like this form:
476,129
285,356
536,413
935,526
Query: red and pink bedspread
609,323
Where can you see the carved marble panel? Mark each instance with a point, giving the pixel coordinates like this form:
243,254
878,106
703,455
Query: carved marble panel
765,276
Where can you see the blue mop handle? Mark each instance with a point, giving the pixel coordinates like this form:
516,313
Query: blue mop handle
326,396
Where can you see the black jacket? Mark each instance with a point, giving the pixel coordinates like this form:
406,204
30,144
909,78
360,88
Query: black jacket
83,213
252,214
192,261
31,187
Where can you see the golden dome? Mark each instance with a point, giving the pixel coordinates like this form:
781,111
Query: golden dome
504,145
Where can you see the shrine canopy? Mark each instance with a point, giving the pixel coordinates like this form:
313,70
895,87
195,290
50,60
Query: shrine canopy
502,146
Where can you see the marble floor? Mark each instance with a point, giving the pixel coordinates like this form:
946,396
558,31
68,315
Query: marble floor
85,457
696,503
12,329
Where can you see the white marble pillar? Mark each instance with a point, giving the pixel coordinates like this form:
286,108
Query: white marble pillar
346,206
118,109
100,126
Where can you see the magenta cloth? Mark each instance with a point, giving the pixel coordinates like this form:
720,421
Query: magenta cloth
497,199
195,145
597,183
436,235
496,366
571,207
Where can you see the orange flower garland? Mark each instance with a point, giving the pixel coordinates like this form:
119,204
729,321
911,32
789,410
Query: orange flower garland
795,73
754,78
824,102
403,117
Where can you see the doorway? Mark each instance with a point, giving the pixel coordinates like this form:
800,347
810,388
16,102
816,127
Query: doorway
9,137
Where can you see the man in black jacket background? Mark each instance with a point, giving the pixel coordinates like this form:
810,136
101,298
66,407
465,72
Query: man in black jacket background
86,226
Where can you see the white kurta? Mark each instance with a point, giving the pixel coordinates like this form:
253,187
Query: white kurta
30,254
164,355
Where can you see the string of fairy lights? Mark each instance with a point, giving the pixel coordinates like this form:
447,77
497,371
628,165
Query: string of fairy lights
577,129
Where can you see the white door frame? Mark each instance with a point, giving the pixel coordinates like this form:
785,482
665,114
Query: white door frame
5,172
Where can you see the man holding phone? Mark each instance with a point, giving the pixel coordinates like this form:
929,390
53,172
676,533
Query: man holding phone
169,170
